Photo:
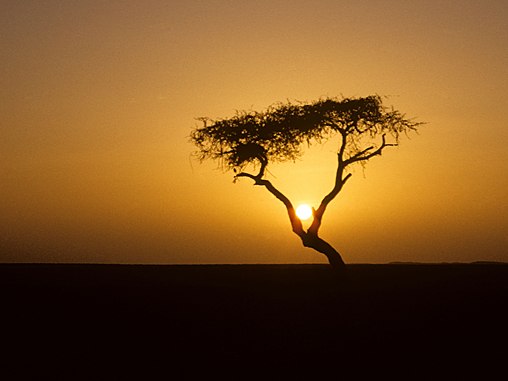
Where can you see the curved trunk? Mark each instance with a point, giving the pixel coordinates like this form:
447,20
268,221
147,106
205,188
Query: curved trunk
310,237
323,247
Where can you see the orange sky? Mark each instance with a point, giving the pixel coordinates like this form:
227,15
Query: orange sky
97,100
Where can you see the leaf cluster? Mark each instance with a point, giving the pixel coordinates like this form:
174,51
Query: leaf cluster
278,133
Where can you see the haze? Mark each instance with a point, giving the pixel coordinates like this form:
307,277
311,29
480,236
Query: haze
98,99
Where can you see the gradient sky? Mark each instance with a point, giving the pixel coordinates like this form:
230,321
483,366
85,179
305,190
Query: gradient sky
97,99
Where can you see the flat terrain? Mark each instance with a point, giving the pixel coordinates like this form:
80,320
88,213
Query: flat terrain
256,316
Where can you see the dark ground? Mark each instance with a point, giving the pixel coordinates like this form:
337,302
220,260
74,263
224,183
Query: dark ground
384,318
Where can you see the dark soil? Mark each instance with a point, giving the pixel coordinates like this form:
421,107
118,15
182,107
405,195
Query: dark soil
254,317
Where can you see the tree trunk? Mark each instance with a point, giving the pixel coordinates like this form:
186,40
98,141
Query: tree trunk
310,237
313,241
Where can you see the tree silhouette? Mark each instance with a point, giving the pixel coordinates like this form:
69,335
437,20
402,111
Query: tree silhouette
364,127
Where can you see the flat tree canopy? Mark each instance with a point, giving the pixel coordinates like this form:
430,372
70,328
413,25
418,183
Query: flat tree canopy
364,127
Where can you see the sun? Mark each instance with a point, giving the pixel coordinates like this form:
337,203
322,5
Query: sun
304,212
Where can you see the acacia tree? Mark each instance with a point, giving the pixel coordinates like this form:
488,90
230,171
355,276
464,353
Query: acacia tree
251,140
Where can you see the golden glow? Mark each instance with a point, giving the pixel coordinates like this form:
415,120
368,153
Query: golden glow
304,212
98,101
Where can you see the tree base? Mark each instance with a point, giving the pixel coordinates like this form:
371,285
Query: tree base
320,245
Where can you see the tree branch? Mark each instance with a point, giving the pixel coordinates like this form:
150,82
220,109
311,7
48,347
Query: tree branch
364,155
339,183
342,148
296,223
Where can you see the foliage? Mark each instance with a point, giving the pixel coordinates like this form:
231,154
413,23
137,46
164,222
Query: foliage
279,133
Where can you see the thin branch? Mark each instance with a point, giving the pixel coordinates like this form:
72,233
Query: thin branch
359,154
342,148
362,155
264,163
261,173
249,175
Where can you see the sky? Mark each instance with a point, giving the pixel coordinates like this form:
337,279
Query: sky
97,100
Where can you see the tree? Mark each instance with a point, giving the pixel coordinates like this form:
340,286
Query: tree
364,127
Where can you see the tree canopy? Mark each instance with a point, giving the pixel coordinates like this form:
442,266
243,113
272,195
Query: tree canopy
278,133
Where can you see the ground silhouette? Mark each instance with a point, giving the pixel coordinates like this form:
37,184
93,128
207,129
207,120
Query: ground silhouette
254,316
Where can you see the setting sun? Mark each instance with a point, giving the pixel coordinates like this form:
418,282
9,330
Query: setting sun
304,212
